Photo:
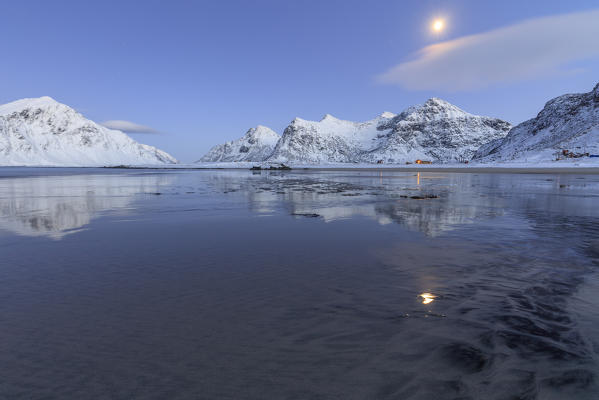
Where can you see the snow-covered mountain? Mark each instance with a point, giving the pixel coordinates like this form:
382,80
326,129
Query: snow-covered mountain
328,140
42,131
435,130
256,145
569,122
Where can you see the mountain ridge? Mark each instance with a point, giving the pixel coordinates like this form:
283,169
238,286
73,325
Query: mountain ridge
256,145
44,132
567,122
435,130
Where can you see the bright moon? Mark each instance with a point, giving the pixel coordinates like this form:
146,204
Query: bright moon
438,25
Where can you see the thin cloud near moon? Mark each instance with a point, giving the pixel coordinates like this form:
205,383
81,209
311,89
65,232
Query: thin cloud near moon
128,126
534,48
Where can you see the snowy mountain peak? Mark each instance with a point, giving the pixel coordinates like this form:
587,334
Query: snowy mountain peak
438,106
29,103
569,122
42,131
435,130
263,133
47,100
328,117
256,145
438,102
298,120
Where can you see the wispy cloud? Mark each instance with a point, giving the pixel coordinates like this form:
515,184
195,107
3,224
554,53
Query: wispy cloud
534,48
128,126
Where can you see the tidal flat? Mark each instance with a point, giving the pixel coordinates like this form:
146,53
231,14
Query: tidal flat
237,284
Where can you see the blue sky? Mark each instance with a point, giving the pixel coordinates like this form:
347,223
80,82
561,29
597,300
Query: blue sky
202,72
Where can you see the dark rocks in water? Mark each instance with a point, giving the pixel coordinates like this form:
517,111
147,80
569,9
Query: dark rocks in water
307,215
281,167
419,197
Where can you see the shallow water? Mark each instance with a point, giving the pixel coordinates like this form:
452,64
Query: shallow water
138,284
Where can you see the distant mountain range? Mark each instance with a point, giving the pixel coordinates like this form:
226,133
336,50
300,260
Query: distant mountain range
435,131
42,131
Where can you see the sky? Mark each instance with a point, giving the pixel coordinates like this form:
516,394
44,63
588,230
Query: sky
186,75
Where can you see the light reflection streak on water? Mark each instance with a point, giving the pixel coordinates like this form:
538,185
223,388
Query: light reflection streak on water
427,298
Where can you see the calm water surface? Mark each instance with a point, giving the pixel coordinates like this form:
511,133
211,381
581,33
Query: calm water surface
139,284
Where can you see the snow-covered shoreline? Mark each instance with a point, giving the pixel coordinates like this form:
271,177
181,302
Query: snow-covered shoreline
562,166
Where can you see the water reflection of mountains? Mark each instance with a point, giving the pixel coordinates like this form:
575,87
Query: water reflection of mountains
393,197
55,206
58,205
387,198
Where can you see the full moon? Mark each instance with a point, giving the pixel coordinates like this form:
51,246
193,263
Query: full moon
438,25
